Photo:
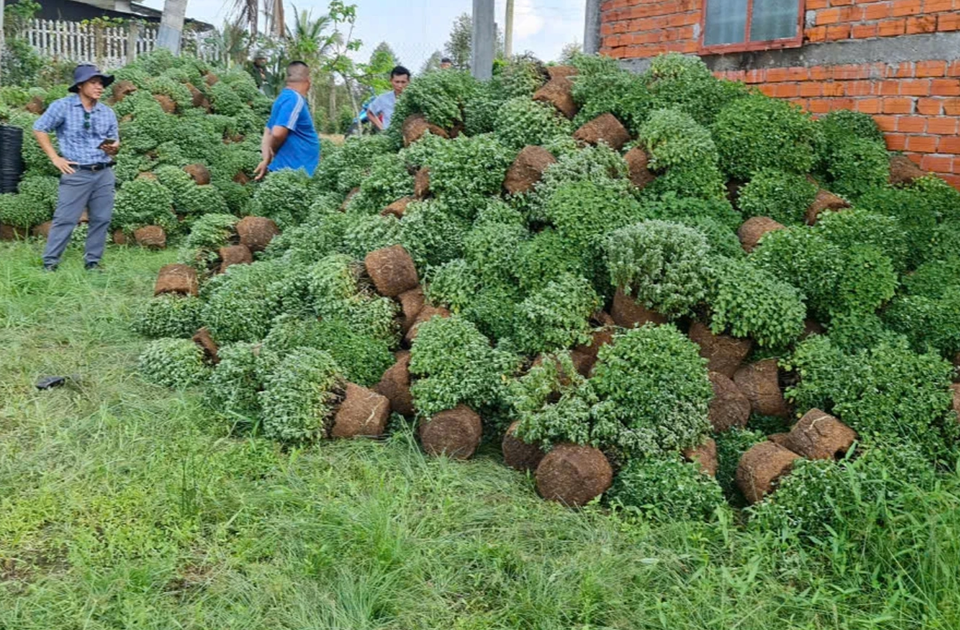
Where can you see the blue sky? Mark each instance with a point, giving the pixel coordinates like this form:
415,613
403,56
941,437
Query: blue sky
416,28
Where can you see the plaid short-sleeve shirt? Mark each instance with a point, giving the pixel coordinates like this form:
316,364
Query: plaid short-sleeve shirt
79,132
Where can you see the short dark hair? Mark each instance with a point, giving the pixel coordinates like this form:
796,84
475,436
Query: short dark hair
399,71
295,71
446,60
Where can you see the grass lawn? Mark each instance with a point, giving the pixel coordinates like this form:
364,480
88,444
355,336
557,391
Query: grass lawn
123,505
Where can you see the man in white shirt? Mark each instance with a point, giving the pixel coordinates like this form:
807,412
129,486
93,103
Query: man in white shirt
381,109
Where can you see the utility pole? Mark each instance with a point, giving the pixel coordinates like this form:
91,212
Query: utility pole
2,42
508,37
484,40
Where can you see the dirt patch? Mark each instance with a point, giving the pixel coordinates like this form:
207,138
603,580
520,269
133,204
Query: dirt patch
416,126
705,455
605,128
753,229
455,433
392,270
761,467
819,435
177,278
559,93
10,233
527,169
199,173
760,383
204,339
519,455
904,171
637,163
730,407
395,385
256,232
398,208
425,315
363,413
825,201
628,313
421,183
573,475
724,354
35,106
119,237
151,237
411,303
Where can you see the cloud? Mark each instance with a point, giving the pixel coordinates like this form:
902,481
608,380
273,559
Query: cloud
526,21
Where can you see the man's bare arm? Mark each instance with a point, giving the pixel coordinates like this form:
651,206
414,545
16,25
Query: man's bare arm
271,142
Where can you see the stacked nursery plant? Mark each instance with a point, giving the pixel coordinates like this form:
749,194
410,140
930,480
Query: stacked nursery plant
190,142
664,289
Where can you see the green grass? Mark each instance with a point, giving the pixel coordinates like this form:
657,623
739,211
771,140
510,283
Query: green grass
124,505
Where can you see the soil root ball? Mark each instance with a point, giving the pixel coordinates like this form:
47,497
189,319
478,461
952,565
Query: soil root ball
392,270
421,183
825,201
753,229
119,237
761,467
363,413
559,93
903,171
411,303
426,314
151,236
204,339
234,255
706,455
416,126
199,173
628,313
561,71
637,161
819,435
11,233
527,169
455,433
519,455
256,232
956,399
605,128
398,208
395,385
730,407
122,89
760,382
573,475
42,230
724,354
166,103
177,278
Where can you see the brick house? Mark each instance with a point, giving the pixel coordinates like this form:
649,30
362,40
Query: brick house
898,60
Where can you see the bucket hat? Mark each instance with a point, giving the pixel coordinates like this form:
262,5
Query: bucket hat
86,71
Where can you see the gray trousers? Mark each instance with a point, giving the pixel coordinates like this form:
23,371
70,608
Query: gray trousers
83,189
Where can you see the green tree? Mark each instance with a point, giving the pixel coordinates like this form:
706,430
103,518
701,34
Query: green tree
460,42
376,73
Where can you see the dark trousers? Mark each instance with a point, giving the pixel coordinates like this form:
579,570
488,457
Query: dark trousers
82,189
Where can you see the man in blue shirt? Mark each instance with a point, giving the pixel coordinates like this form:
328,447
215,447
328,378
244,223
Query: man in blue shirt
382,107
88,137
290,139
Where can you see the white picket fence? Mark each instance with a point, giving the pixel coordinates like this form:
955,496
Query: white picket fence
108,47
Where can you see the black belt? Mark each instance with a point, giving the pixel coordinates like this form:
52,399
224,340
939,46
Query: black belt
94,167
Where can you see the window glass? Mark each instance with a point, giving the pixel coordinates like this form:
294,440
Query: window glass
726,22
774,19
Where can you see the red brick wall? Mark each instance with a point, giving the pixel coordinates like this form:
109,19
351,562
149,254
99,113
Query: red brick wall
916,104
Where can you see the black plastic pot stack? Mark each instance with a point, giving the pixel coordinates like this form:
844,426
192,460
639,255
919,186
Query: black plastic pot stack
11,160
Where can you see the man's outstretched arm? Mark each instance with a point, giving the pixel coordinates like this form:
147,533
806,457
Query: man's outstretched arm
271,142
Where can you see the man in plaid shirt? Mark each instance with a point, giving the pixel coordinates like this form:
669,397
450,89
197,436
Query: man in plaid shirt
88,137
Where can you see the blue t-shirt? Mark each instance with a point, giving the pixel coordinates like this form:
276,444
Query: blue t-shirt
301,150
383,106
